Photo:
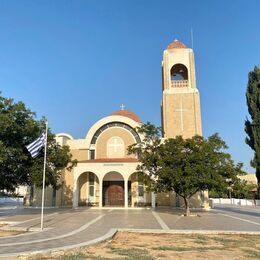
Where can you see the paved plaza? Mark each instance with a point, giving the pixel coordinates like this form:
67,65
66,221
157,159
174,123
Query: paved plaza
68,228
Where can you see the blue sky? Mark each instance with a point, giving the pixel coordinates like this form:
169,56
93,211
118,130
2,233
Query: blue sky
77,61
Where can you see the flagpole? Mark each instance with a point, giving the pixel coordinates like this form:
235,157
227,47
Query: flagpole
44,170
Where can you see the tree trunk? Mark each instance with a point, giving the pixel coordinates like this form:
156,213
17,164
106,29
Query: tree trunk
258,181
53,196
31,195
187,208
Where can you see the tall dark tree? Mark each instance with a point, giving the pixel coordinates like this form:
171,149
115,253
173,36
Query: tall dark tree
252,126
18,128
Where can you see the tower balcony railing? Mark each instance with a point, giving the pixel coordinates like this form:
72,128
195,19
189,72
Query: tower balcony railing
180,83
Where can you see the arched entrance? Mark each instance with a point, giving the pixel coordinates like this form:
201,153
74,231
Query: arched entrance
139,196
113,189
88,185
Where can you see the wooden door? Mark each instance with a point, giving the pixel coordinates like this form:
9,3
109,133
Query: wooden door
115,194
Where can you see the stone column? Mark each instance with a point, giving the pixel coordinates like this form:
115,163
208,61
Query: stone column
153,200
126,193
206,200
75,194
101,193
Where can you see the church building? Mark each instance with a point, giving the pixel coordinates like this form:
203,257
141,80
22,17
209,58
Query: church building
105,173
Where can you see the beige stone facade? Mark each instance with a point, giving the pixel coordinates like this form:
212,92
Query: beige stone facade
180,98
250,178
105,173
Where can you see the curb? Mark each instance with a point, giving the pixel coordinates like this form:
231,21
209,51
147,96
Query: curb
112,232
109,235
187,232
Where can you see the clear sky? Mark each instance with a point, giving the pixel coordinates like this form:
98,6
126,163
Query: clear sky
77,61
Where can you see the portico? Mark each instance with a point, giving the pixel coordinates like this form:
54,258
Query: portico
115,184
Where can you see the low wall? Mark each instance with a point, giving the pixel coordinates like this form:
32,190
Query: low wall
232,201
10,200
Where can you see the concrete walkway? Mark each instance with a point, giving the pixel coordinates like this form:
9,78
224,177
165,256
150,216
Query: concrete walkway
68,228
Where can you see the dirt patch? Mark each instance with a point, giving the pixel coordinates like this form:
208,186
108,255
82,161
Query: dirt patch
4,233
165,246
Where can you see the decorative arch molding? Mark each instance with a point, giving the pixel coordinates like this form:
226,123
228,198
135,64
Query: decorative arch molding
64,135
100,171
86,172
113,175
115,124
113,118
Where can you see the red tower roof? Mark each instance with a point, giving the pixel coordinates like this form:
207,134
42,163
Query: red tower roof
176,44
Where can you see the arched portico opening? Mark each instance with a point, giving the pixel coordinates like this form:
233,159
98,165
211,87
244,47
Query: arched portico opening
113,189
139,196
88,186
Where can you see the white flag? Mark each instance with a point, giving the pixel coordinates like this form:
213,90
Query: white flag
35,147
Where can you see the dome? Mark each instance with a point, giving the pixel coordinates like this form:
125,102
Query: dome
176,45
128,114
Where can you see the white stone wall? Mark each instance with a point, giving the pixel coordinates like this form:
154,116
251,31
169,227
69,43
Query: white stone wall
238,202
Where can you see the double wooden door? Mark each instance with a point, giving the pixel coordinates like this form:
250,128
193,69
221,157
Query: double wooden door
113,193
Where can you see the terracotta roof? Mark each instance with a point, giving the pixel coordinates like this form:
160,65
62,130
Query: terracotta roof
128,114
176,44
110,160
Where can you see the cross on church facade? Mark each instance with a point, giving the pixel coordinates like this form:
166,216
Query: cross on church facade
122,107
181,110
115,144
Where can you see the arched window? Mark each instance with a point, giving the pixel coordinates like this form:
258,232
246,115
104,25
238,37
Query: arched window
115,147
179,72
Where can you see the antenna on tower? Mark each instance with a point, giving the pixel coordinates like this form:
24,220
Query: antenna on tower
191,35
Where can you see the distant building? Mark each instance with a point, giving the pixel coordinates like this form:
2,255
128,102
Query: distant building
249,178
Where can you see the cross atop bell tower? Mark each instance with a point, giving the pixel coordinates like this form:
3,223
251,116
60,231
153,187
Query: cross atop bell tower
180,98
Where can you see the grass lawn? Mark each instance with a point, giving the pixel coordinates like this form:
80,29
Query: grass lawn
165,246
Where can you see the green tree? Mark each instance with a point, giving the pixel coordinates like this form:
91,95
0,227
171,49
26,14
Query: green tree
185,166
147,150
252,127
18,128
239,189
242,189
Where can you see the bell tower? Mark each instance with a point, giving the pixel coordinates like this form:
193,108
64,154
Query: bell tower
180,98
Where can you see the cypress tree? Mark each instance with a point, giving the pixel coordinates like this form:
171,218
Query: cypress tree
252,126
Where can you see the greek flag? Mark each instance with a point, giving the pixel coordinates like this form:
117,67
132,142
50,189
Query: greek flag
35,147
